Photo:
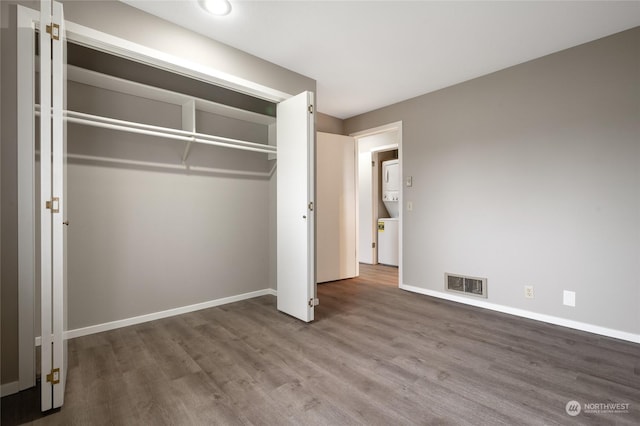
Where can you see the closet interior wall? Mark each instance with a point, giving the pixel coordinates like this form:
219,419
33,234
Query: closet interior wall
8,201
144,239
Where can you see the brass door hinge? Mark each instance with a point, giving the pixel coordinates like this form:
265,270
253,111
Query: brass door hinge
54,376
373,245
54,30
53,205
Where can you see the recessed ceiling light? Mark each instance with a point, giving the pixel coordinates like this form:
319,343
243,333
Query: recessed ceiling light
216,7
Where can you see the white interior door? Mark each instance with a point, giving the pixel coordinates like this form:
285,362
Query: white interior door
46,274
295,132
374,212
367,206
53,202
336,182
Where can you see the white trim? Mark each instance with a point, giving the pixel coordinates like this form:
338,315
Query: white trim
375,174
9,389
356,170
384,148
577,325
99,328
396,125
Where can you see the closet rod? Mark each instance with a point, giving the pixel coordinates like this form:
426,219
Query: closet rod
181,167
250,174
164,132
188,133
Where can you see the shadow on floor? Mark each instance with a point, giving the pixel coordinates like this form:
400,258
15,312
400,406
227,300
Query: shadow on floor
22,407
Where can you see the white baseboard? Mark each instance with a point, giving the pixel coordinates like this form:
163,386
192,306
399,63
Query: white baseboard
603,331
9,388
98,328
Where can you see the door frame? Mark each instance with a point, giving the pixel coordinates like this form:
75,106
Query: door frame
28,18
395,126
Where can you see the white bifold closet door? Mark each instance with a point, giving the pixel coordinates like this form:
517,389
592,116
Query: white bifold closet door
52,204
295,216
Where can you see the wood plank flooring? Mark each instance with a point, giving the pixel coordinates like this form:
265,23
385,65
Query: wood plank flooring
375,355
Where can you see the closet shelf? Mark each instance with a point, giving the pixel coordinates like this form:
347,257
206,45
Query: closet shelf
164,132
119,85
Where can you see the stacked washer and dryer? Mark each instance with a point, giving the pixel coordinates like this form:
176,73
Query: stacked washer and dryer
388,227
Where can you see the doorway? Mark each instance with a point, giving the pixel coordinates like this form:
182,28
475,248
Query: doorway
376,146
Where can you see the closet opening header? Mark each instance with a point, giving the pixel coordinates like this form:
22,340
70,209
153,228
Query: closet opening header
126,69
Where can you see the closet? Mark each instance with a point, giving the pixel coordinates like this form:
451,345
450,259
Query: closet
167,187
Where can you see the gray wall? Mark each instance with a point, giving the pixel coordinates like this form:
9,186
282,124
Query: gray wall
530,176
129,23
328,124
142,239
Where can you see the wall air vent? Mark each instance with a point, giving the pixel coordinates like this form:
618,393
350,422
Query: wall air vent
472,286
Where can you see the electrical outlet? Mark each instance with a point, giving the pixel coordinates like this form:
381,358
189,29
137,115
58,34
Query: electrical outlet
569,298
409,206
528,291
409,181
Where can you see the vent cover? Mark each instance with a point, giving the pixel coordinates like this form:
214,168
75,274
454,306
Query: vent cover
472,286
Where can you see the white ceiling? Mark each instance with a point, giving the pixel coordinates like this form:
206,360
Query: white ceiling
369,54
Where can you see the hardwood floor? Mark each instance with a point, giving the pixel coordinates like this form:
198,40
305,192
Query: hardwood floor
375,355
